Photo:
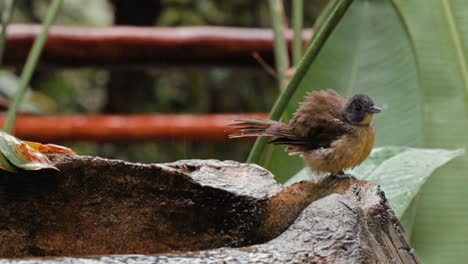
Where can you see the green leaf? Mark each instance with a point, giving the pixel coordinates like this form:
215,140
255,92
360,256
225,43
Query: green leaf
409,216
411,57
402,175
5,20
328,20
280,45
30,64
5,164
400,171
439,33
368,54
9,86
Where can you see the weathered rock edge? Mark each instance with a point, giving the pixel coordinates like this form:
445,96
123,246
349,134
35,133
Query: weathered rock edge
233,212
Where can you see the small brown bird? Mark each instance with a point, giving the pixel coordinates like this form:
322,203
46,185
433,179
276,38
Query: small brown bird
331,133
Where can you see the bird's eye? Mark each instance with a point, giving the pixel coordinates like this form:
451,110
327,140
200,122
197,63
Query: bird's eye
358,107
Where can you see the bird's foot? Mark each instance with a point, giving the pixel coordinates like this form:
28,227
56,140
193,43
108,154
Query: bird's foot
335,178
343,175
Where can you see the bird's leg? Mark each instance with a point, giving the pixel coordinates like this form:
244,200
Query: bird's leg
341,175
333,178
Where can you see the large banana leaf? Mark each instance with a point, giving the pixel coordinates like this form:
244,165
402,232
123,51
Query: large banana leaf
411,57
439,32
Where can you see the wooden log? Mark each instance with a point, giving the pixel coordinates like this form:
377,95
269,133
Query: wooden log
202,211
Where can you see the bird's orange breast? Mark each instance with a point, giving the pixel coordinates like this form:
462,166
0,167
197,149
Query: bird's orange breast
347,152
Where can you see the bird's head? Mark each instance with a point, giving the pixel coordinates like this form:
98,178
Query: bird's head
360,110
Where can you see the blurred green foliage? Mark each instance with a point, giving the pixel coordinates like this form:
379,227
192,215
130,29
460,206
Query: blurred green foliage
410,56
173,90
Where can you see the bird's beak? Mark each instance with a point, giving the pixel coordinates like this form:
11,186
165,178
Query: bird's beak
374,109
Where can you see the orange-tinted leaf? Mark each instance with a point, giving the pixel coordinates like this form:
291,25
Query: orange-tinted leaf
36,160
50,148
21,155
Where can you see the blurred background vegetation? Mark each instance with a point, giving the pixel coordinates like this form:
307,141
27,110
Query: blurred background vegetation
409,55
162,90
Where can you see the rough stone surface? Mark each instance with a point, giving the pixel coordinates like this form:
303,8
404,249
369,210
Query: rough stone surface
192,211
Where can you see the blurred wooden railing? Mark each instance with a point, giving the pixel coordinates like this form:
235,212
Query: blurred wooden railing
126,128
121,46
128,47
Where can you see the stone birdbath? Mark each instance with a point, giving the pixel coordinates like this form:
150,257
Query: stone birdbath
97,210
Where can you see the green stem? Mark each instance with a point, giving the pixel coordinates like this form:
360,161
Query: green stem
6,16
30,65
329,19
280,48
297,19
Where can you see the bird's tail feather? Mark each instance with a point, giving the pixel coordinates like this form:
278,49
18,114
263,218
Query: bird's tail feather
246,127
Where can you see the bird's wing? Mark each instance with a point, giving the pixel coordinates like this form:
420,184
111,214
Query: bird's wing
317,123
